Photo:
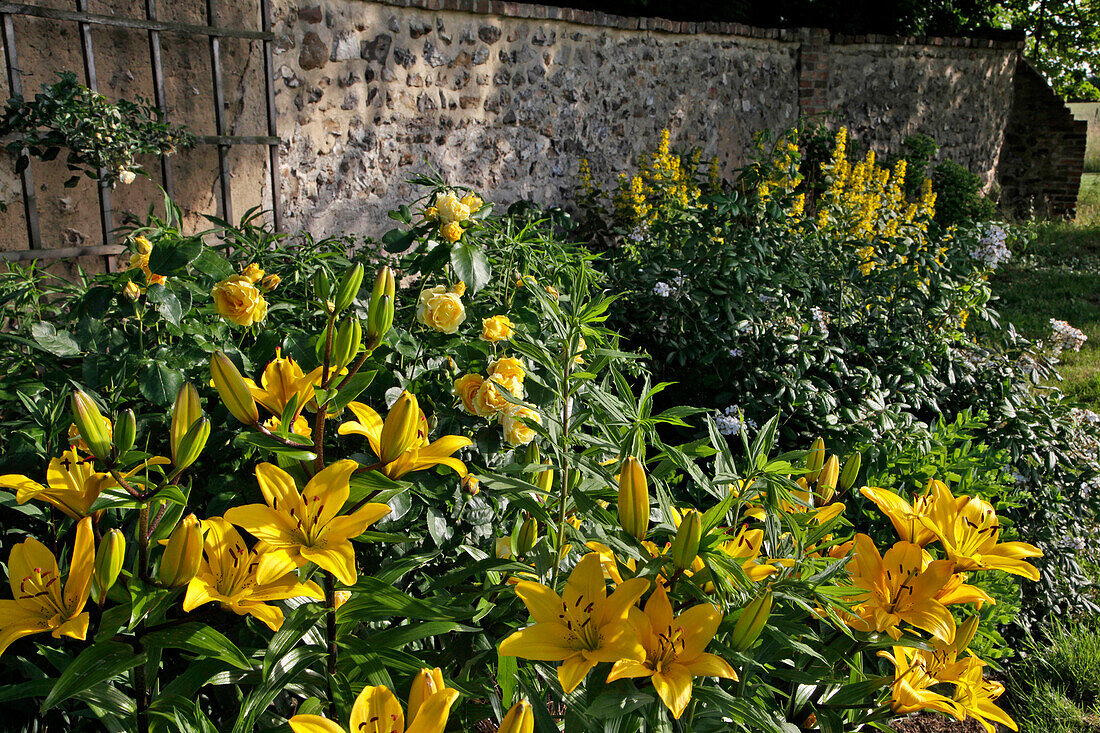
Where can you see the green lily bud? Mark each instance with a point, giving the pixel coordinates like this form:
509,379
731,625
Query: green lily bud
90,424
191,444
528,533
815,460
349,287
751,622
182,554
400,428
826,480
108,562
185,412
380,320
125,431
634,500
532,454
322,288
685,546
850,472
349,338
235,394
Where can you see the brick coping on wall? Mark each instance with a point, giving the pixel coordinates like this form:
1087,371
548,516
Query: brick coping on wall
505,8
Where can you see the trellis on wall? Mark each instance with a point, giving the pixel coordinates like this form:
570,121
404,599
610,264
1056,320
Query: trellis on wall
156,28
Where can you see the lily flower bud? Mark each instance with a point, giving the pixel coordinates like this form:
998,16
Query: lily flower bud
380,313
826,480
532,454
399,430
751,622
349,337
125,432
520,719
426,683
108,562
528,533
634,499
185,412
349,287
685,546
90,425
850,472
815,460
964,634
545,480
231,387
182,554
322,288
191,444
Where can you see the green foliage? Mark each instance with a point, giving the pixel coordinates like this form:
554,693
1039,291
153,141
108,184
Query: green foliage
1057,684
960,200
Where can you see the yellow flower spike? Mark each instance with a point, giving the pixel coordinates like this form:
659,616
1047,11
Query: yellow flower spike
399,431
426,683
969,530
582,627
633,498
182,553
39,603
232,389
905,517
228,575
72,485
108,563
519,719
674,649
418,456
300,527
898,587
377,710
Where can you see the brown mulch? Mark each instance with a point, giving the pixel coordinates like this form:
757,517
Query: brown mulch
935,723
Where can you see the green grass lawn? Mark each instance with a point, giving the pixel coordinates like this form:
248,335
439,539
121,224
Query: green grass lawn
1059,277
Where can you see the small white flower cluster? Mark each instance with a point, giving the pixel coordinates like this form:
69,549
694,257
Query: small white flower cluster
821,320
1077,543
992,249
665,290
639,234
1083,440
736,353
729,421
1066,337
662,289
1089,486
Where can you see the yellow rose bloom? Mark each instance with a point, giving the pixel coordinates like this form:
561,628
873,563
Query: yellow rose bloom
466,388
139,261
472,201
132,290
154,279
440,310
451,209
270,283
144,246
497,328
489,401
514,385
253,273
516,431
431,213
508,367
237,300
459,288
452,232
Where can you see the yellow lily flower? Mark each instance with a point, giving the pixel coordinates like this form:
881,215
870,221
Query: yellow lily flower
73,485
377,710
582,627
905,517
975,697
674,649
305,527
39,604
746,548
418,456
956,591
282,380
898,587
820,514
968,529
227,575
912,681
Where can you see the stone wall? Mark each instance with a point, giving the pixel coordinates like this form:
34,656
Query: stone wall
1089,113
1044,150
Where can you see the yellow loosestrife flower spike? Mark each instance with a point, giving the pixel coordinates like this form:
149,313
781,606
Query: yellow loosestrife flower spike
185,412
580,628
674,649
232,389
968,529
228,575
399,431
108,562
419,454
39,603
685,545
300,527
898,587
519,719
182,553
89,422
73,485
634,498
377,710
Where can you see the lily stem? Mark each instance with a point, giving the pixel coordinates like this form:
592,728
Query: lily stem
319,421
330,624
143,542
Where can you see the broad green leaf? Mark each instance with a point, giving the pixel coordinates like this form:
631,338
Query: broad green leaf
471,265
170,257
58,343
160,384
98,663
198,639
